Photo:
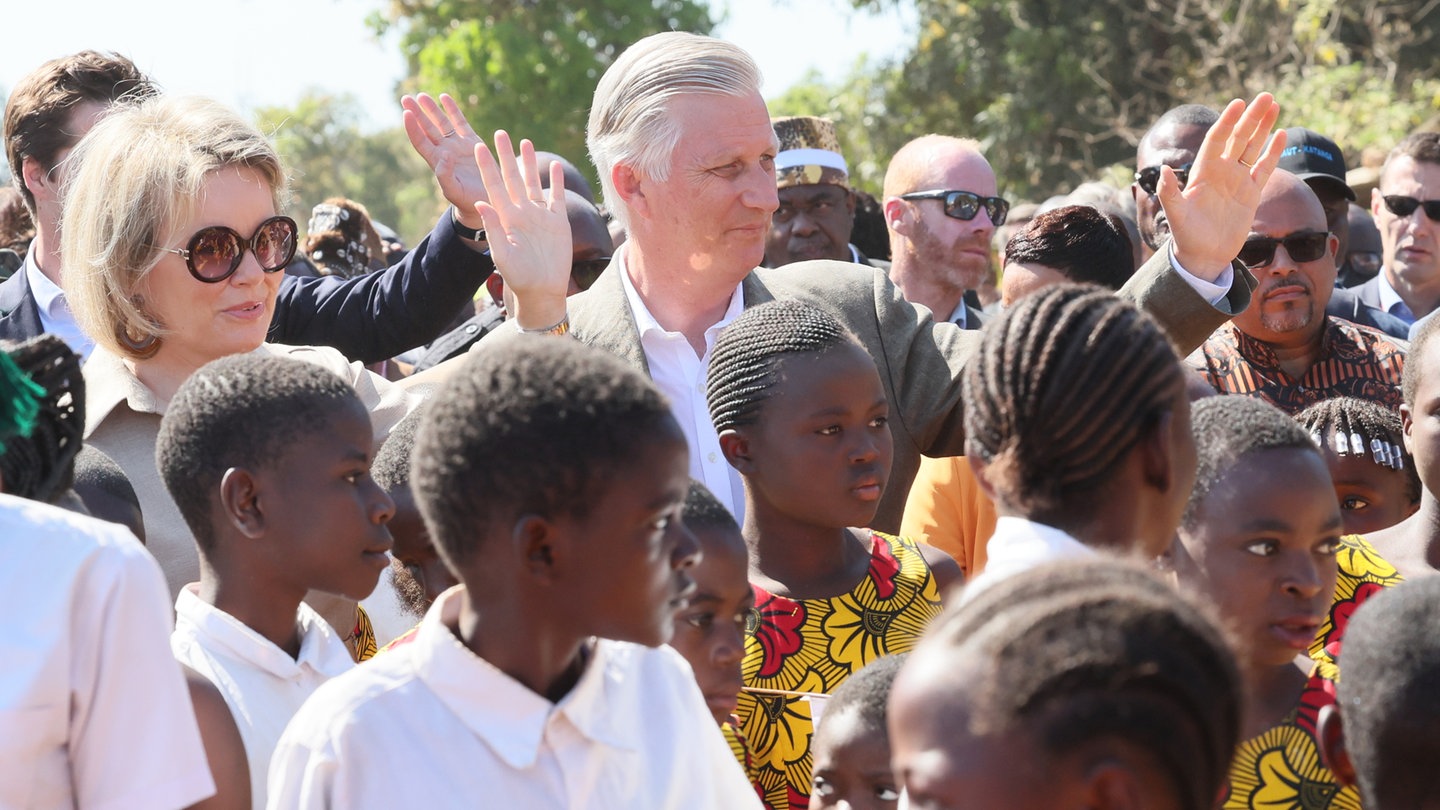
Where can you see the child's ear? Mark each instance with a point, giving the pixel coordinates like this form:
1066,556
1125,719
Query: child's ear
736,447
1157,452
1405,422
240,500
534,540
1331,733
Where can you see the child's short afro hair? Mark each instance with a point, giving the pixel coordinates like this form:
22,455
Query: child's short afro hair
246,410
534,426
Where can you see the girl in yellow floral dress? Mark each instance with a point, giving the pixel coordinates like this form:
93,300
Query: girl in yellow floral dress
1260,539
802,415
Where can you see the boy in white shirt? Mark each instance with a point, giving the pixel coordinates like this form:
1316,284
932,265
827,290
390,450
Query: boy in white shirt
551,477
268,460
94,712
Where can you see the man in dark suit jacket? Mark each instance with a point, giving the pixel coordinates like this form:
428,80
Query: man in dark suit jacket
369,318
697,215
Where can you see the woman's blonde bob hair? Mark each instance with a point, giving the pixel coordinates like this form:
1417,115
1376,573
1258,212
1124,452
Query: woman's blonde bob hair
130,184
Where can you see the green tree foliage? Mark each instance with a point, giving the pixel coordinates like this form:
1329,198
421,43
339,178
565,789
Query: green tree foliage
328,155
529,66
1060,92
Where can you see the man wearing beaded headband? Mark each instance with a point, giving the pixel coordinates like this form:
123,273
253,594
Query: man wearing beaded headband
1285,349
817,208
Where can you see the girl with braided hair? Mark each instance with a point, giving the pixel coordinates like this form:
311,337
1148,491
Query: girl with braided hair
1364,446
802,415
1077,425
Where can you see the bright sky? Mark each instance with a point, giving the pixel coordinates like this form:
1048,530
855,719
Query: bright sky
258,53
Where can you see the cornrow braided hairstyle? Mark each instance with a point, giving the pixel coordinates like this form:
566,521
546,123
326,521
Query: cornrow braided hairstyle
747,354
1359,427
1228,428
704,511
41,465
1065,384
1075,652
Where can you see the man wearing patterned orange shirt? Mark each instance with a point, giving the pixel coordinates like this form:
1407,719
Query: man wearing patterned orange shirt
1284,349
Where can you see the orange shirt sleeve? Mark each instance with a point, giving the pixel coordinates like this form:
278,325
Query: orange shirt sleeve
948,510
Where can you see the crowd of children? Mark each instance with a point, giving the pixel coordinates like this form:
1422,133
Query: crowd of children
1183,604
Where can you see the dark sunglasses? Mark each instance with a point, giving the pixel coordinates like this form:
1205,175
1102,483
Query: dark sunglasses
965,205
1259,251
1148,178
1405,206
585,271
215,253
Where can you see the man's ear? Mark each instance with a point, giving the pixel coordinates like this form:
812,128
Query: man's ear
1330,730
736,447
627,185
897,215
537,545
240,499
1377,201
35,177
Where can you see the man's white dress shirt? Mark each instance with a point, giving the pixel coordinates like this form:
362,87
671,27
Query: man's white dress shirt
55,315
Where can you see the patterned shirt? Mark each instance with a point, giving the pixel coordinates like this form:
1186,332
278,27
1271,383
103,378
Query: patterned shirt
810,646
1355,361
1281,767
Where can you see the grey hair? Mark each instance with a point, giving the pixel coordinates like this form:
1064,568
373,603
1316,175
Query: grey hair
628,119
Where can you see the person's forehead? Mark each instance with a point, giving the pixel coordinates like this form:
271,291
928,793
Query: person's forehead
812,192
589,233
964,170
717,125
1294,208
1171,145
1408,175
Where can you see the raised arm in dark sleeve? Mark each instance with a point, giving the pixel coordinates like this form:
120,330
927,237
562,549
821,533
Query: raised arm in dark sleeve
379,315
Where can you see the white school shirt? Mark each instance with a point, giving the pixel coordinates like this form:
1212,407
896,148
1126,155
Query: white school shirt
430,724
1019,545
262,684
94,712
681,376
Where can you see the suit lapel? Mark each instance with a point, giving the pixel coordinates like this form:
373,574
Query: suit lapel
601,317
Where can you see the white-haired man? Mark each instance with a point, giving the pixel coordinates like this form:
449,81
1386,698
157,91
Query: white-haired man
686,155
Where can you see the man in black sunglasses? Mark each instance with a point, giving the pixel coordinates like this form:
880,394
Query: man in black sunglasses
1173,140
941,207
1406,207
1284,349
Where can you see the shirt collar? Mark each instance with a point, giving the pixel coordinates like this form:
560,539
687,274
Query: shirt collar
505,714
321,650
1025,543
960,317
49,298
1390,301
108,383
646,323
